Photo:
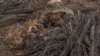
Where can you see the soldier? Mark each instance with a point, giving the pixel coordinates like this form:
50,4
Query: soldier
53,17
55,13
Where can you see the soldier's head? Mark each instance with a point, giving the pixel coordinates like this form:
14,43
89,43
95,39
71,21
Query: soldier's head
56,11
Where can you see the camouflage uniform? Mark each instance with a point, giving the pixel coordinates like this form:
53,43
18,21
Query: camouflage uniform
54,8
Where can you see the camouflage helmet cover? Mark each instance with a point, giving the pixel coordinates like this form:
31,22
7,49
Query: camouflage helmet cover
64,9
58,7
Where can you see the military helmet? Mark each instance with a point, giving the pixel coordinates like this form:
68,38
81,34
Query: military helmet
57,6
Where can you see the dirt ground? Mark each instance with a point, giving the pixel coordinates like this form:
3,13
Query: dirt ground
16,16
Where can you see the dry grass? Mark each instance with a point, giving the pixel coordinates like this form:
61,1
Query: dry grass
14,44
